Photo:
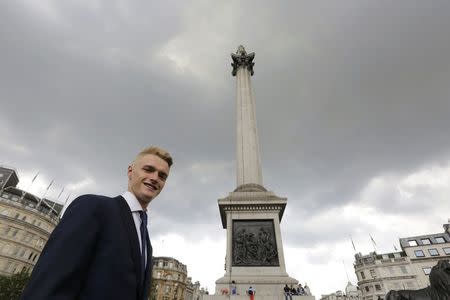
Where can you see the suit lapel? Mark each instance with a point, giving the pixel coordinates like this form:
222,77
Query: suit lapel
133,240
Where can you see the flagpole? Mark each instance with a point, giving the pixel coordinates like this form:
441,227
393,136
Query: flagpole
62,208
54,202
395,248
373,243
29,186
345,271
45,193
353,244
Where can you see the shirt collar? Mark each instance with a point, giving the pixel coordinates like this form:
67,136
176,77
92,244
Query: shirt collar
132,201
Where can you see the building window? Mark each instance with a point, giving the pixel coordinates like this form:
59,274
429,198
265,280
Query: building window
367,288
362,275
440,240
372,273
412,243
391,270
419,253
446,250
426,241
378,287
427,270
404,270
433,252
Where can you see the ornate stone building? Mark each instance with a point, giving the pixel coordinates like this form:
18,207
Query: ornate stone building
379,273
26,222
193,290
425,251
408,269
170,281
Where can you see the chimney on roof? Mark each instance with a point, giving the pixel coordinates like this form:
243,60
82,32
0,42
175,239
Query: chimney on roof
447,227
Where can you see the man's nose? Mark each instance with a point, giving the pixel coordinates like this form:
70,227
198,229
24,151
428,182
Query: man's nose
154,176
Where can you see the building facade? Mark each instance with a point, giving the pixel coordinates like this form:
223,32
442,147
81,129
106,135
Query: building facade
193,290
26,222
425,251
407,269
379,273
352,292
169,279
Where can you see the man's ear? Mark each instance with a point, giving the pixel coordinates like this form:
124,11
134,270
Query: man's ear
129,170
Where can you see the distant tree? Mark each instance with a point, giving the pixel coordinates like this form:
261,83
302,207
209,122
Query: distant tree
11,287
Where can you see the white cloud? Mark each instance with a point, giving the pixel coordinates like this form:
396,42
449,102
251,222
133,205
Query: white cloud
204,258
206,28
81,185
45,9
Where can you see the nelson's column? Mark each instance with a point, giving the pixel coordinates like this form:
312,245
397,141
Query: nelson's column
251,214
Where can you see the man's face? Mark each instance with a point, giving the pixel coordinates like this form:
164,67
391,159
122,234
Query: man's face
146,177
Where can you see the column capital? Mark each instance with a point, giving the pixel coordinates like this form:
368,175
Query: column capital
242,59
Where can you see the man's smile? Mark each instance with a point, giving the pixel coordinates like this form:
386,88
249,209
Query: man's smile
151,186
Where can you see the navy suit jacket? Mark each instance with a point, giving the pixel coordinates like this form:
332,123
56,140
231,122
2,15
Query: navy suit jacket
92,254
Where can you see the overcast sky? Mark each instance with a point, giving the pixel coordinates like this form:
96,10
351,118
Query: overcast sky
352,101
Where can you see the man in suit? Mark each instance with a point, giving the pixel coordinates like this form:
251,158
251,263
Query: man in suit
100,248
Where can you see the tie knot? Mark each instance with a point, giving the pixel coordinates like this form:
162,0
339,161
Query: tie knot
143,216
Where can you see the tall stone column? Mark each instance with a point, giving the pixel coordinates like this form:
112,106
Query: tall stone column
248,162
251,214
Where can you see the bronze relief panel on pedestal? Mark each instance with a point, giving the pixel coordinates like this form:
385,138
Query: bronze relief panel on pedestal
254,243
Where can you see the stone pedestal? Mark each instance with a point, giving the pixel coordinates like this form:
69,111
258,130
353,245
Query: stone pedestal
254,254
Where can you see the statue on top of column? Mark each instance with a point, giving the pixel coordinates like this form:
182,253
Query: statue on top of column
241,58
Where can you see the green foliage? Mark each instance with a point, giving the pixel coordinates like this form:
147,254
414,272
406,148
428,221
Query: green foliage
11,287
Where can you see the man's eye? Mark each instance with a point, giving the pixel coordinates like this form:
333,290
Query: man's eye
150,169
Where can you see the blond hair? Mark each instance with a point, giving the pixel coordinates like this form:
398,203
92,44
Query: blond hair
161,153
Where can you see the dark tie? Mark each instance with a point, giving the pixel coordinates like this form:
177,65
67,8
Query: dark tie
144,235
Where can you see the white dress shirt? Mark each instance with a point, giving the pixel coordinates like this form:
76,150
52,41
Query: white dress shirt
135,208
